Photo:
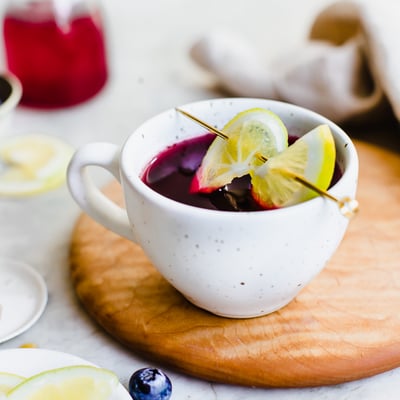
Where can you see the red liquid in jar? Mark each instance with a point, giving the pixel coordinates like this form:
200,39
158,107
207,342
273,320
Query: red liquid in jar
170,174
58,65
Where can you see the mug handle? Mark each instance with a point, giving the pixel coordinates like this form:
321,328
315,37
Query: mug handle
87,194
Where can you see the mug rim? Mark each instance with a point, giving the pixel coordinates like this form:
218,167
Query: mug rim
135,181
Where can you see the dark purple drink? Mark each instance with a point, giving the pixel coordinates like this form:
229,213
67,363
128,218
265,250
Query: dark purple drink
171,172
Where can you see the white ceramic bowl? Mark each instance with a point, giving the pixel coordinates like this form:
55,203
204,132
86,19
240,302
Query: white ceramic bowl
10,95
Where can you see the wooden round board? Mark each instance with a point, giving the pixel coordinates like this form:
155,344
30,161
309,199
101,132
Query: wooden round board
345,325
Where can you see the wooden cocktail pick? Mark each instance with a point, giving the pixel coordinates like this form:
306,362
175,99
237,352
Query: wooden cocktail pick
347,206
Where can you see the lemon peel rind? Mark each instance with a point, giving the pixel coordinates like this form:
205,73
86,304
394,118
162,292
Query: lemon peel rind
324,149
271,121
273,184
250,132
35,387
8,381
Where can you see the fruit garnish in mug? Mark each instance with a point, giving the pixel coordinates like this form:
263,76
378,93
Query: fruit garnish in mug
252,164
256,144
312,156
250,133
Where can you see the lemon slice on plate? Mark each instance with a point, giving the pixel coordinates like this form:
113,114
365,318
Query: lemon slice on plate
8,381
312,157
31,164
79,382
251,133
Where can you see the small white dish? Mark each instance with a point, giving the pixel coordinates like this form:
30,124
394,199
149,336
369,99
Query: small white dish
10,96
28,362
23,298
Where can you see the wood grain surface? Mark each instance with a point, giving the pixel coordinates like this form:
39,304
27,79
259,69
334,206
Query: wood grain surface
343,326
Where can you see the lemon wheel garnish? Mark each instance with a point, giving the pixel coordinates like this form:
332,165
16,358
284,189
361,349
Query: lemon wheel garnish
249,134
8,381
31,164
75,382
311,157
304,162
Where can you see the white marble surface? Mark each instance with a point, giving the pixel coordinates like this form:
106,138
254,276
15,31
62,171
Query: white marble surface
151,71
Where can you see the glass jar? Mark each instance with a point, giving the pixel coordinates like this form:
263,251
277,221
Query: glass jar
57,49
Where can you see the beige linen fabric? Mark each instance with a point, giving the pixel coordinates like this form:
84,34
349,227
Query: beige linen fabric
348,70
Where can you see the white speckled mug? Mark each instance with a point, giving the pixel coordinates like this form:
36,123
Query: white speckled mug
233,264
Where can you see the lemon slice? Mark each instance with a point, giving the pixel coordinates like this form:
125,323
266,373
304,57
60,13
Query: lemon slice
250,133
31,164
8,381
76,382
312,157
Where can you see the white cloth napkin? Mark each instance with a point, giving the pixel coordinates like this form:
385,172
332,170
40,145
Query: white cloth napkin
348,70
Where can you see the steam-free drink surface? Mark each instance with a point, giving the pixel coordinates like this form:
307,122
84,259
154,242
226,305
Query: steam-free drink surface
170,173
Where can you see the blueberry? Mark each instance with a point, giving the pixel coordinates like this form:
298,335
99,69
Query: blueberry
150,384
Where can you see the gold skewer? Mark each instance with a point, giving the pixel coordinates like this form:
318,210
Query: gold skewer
347,206
219,133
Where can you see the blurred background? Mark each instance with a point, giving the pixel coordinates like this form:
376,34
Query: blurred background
149,70
149,65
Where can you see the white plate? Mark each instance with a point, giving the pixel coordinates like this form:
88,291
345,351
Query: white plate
28,362
23,298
